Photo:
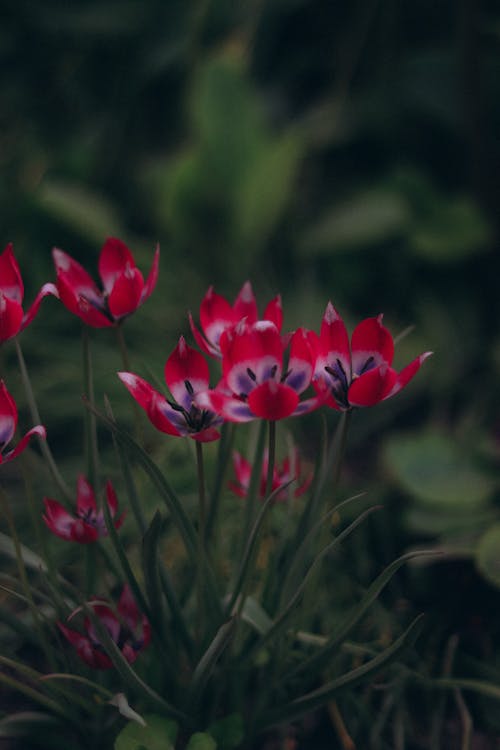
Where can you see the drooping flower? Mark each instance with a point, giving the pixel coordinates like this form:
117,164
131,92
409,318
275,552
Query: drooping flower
87,524
127,627
217,314
124,288
8,424
186,375
288,470
255,383
13,319
359,373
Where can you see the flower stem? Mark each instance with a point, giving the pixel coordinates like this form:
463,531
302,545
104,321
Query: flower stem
7,511
271,456
91,450
35,416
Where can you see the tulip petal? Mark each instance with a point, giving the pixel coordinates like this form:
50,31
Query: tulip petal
216,315
47,289
302,359
152,278
85,497
11,317
272,400
372,346
407,373
38,430
333,345
115,260
10,276
245,305
372,387
125,295
274,312
230,408
186,373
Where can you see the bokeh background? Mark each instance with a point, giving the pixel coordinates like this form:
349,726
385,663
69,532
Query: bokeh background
325,150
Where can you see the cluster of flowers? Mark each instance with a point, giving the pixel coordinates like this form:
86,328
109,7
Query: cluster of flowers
264,374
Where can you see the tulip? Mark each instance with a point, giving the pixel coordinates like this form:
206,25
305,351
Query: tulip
255,383
284,473
8,424
359,373
87,524
186,375
128,629
12,317
217,315
124,288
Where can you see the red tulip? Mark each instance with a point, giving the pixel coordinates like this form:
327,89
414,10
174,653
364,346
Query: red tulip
8,424
255,382
87,524
186,375
128,629
359,373
12,317
284,473
124,288
217,315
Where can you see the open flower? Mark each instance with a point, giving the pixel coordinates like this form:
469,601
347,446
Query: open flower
124,288
87,524
8,424
12,317
287,471
255,383
217,314
186,375
359,374
127,627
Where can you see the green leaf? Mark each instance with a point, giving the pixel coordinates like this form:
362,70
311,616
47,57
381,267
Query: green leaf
150,559
432,468
313,700
30,558
201,741
317,662
228,732
488,555
454,229
89,214
266,188
366,219
255,615
477,686
210,658
158,734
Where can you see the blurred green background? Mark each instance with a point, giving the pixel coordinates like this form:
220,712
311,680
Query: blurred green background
326,150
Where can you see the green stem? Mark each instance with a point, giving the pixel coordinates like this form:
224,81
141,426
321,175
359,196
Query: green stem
91,450
201,538
271,456
253,490
224,454
4,502
35,416
123,347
